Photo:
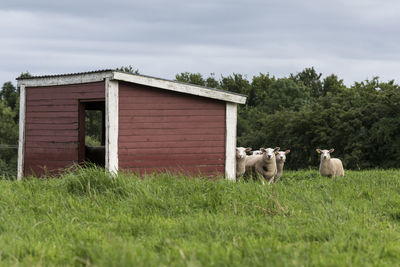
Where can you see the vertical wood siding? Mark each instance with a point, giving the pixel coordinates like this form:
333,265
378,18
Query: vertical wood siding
161,130
51,129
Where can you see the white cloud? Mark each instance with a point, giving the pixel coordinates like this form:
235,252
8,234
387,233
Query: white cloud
352,38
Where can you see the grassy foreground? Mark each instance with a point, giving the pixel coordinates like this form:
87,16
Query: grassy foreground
87,218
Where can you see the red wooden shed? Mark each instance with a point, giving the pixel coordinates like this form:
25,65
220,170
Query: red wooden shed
149,124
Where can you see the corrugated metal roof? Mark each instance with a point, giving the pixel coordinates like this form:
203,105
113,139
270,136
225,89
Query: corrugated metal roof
65,74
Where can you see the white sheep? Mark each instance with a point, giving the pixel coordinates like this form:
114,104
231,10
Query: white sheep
240,160
263,166
280,161
330,167
257,152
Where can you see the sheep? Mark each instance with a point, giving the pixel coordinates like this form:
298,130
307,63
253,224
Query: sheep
264,166
240,160
280,161
257,152
330,167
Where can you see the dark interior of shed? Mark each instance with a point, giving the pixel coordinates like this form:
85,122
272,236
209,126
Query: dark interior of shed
92,132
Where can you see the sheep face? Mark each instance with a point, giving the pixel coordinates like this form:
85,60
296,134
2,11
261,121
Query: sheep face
325,154
257,152
269,153
281,156
241,152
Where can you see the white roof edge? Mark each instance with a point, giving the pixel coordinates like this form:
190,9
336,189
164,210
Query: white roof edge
180,87
65,79
98,76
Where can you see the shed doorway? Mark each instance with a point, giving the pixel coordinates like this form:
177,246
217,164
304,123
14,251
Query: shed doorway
92,132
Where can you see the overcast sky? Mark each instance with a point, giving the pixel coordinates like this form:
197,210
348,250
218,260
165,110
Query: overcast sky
355,39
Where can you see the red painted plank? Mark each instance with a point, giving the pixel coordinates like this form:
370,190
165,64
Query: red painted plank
165,119
66,95
50,145
132,99
55,133
51,150
51,120
200,170
177,157
60,108
161,138
152,132
173,144
208,112
183,105
126,89
47,138
171,163
52,126
31,115
173,125
51,102
51,155
71,89
130,151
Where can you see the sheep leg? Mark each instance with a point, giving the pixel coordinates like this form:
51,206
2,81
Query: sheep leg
271,180
261,178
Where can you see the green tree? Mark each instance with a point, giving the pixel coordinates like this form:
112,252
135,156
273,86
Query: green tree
9,95
311,79
236,83
128,69
8,140
193,78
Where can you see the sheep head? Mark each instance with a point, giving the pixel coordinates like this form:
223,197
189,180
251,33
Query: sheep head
281,156
269,153
241,152
325,154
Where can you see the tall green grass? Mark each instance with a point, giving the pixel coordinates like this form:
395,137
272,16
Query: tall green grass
90,217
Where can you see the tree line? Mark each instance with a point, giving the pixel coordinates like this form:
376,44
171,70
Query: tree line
301,112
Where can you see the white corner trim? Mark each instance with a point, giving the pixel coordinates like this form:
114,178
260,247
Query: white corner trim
66,79
21,139
112,93
180,87
230,141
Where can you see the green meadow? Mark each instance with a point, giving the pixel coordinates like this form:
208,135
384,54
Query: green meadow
89,218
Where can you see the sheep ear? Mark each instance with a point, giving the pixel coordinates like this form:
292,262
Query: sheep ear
331,150
276,152
262,149
318,151
287,151
277,148
248,149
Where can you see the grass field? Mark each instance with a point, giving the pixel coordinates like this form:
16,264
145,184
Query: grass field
87,218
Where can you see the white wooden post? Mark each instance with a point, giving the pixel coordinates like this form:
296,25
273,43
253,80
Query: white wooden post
111,143
21,139
230,141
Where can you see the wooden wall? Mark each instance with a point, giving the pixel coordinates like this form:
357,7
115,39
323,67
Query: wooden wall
51,129
162,130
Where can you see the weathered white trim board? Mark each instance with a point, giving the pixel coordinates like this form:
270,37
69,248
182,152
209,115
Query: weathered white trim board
230,141
65,79
180,87
21,140
111,148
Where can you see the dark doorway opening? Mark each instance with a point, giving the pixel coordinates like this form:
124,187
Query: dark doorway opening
92,132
